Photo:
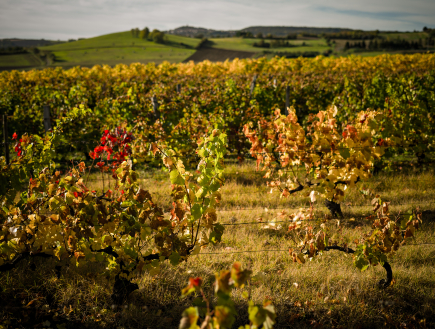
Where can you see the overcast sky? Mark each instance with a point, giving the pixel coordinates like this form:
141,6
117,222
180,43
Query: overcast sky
64,19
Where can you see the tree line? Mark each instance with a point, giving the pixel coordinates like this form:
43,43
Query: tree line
145,34
390,44
249,35
280,43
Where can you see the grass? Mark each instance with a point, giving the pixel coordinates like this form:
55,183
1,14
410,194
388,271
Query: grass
122,47
19,60
117,40
328,291
125,55
242,44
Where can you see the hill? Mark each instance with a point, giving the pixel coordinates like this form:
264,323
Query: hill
14,42
282,31
121,47
193,32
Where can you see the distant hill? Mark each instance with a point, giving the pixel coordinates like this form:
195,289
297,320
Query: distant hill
6,43
193,32
281,31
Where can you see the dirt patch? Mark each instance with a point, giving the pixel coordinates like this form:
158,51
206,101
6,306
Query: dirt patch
217,55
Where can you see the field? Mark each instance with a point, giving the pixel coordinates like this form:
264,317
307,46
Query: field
19,61
154,178
126,55
121,47
328,291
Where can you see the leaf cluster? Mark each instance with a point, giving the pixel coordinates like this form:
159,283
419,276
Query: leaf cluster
223,314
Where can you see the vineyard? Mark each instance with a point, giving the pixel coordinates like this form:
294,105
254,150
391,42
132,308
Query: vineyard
284,193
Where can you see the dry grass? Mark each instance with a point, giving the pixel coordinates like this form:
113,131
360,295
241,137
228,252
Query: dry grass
328,291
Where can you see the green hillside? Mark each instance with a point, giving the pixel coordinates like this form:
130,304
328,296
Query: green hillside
19,60
121,39
123,48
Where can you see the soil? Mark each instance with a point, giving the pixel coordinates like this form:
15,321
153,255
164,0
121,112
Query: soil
217,55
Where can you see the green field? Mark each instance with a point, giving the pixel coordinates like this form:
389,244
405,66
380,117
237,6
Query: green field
242,44
120,39
125,55
19,60
122,47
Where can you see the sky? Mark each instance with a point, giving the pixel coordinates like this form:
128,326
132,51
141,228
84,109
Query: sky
72,19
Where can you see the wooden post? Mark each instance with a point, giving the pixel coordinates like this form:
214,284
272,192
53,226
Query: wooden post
47,120
287,99
155,107
254,80
5,137
178,88
274,83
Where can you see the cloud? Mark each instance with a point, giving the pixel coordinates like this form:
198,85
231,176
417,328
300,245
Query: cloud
64,19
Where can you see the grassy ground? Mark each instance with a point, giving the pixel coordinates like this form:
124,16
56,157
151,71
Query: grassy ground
19,60
120,39
125,55
121,47
328,291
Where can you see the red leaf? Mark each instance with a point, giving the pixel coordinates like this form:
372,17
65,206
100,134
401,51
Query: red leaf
195,282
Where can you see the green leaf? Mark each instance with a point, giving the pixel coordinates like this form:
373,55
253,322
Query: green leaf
174,258
202,153
361,263
373,124
176,178
344,152
196,211
189,318
216,234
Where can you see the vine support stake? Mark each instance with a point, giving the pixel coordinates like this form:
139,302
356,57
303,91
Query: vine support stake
47,119
155,107
5,137
287,99
253,83
178,88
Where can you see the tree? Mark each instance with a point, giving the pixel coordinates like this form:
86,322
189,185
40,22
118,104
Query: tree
157,36
346,46
135,32
259,35
144,33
